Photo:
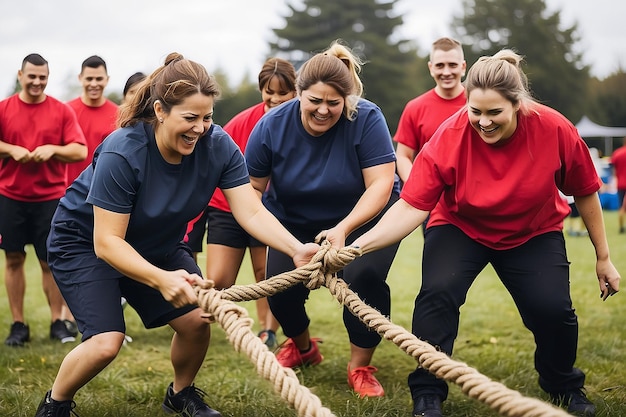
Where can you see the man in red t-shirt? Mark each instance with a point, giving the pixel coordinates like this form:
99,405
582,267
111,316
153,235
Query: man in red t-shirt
96,114
618,160
39,135
423,115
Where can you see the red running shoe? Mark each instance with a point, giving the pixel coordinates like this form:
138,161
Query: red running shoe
290,356
364,383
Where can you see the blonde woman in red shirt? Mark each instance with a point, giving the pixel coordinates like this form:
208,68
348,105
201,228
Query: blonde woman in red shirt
490,179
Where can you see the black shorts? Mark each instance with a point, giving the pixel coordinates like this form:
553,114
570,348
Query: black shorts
24,222
96,303
224,230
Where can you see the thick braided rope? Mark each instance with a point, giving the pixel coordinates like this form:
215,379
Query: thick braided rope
322,271
237,325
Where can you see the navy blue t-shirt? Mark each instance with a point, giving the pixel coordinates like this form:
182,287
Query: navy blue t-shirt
316,180
128,175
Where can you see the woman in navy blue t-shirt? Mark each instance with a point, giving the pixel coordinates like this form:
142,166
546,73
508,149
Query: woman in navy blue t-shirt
118,231
330,164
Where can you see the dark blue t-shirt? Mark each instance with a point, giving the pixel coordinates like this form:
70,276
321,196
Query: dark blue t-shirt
316,180
128,175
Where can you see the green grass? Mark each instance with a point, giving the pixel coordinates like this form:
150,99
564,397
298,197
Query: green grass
492,339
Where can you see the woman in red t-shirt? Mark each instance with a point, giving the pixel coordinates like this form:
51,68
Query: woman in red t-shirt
490,179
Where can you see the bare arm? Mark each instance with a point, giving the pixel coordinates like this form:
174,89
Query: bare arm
405,156
396,224
72,152
110,246
18,153
378,181
591,212
252,215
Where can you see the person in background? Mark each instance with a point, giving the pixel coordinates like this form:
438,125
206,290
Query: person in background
39,138
618,161
329,161
490,179
96,114
226,240
423,115
154,173
131,86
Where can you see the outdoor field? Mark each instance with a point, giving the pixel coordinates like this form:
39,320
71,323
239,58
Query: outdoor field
492,339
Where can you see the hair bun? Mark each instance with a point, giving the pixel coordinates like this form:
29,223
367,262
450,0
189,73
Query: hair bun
173,57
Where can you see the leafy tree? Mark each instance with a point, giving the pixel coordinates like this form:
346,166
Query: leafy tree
232,101
555,70
608,98
367,26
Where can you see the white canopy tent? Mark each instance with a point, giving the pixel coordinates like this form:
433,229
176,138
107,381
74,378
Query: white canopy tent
588,129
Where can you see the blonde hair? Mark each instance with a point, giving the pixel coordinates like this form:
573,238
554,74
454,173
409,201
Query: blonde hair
339,68
502,73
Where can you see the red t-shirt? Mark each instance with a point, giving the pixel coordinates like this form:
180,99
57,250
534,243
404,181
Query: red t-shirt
502,196
96,123
618,160
423,115
239,128
30,126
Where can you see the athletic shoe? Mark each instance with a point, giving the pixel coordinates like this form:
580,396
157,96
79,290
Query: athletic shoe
59,331
188,403
52,408
428,405
576,401
20,334
72,327
290,356
269,338
364,383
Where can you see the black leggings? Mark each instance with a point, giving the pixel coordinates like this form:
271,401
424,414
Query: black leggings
536,274
365,275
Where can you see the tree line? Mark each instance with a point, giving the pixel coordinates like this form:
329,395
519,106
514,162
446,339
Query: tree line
396,70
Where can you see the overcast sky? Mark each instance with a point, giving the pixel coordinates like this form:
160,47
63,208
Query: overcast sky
136,35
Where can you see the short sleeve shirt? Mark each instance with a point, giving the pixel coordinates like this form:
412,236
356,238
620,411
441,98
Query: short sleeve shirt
50,122
130,176
502,196
315,181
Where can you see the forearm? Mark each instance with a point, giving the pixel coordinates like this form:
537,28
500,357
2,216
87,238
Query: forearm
405,157
124,258
397,223
263,226
403,166
255,219
73,152
590,211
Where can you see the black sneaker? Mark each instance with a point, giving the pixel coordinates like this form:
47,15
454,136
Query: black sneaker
20,334
58,330
576,401
72,327
188,403
52,408
428,405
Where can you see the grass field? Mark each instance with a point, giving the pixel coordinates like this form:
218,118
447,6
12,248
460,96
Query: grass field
492,339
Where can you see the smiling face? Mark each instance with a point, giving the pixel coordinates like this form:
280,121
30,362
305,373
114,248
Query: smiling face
273,93
93,81
178,131
491,115
447,68
321,106
33,79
